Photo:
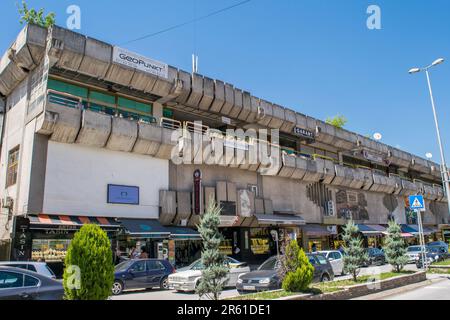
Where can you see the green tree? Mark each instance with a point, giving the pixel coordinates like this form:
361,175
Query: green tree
296,271
35,17
395,247
338,121
89,268
354,253
214,275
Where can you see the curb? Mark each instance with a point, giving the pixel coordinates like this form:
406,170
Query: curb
404,289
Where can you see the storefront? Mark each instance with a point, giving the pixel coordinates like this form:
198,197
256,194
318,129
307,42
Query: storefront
319,237
51,236
180,245
411,233
373,235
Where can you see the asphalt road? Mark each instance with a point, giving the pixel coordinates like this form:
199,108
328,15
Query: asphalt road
157,294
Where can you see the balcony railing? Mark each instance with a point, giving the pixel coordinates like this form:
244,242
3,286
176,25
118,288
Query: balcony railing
64,99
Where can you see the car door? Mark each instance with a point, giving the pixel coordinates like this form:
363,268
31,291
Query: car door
137,276
231,275
18,286
338,266
317,270
235,272
155,273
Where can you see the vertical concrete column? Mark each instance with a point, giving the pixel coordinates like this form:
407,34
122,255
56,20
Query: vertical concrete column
157,111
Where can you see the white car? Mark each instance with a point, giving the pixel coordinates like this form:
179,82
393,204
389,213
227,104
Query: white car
336,260
413,253
187,279
39,267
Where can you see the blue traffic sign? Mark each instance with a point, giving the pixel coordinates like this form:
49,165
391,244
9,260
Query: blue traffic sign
416,202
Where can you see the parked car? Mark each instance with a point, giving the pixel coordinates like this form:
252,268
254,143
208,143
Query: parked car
441,245
22,284
187,279
336,260
266,277
38,267
376,257
141,274
413,253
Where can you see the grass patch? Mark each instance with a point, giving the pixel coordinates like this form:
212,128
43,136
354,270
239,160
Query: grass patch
319,288
439,271
442,263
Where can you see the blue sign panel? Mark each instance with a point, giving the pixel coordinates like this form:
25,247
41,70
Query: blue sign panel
123,194
416,202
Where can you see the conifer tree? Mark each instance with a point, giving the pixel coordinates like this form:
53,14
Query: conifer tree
296,271
354,253
214,276
395,247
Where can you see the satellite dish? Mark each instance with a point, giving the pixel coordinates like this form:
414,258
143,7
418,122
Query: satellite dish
377,136
429,155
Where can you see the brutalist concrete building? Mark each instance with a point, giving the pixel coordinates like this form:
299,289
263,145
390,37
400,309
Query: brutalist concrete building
91,133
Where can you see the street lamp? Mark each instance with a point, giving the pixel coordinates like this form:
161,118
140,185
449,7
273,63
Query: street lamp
444,169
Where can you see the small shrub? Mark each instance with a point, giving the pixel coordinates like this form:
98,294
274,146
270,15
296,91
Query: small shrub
89,268
298,271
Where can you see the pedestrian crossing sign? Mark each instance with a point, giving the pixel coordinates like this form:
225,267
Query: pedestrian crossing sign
416,202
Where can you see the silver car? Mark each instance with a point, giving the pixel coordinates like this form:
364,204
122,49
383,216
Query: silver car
39,267
413,253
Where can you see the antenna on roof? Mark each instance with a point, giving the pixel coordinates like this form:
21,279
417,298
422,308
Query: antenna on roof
194,63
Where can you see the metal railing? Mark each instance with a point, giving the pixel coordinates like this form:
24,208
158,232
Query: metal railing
170,123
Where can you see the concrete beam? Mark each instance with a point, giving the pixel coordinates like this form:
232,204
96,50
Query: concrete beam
229,100
67,125
238,103
168,205
148,139
246,106
165,149
219,96
95,129
184,208
288,166
208,94
163,86
97,58
290,121
185,78
278,117
265,113
196,91
69,48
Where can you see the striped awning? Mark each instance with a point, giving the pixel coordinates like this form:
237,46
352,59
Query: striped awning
46,221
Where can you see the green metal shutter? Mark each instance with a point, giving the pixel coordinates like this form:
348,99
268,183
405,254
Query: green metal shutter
134,105
67,88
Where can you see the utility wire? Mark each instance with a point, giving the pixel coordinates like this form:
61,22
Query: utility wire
189,22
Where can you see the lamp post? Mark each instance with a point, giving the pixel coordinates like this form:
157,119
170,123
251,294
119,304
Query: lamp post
444,169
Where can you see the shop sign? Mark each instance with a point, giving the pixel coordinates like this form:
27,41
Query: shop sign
300,132
197,192
133,60
22,240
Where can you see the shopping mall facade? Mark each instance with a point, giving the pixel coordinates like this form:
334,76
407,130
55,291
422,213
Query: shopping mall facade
93,133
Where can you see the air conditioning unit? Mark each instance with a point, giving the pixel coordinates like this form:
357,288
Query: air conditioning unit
331,210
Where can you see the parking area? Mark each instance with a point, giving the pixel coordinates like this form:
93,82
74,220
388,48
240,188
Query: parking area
157,294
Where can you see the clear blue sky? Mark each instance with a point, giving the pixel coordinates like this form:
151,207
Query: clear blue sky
315,56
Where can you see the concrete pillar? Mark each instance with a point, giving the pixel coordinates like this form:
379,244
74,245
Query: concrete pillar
157,111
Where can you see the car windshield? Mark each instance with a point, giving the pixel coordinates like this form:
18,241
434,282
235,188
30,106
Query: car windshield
123,266
268,265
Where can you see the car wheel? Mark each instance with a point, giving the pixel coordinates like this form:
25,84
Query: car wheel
325,278
117,287
164,284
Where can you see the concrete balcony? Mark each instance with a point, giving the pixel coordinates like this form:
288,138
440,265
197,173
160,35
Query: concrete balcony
431,192
61,118
95,129
123,136
409,188
352,178
400,158
26,52
385,184
148,139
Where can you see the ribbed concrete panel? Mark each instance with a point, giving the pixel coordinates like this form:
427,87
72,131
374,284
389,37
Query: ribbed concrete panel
290,121
420,165
439,190
219,96
19,52
344,176
328,169
311,124
167,145
277,117
327,133
185,78
265,113
96,60
368,178
196,91
36,41
184,208
301,167
142,81
168,205
288,166
246,106
345,139
68,123
208,94
254,109
163,86
229,154
148,140
238,103
314,171
251,162
301,121
400,158
95,129
70,47
120,74
383,184
409,188
10,75
229,100
358,179
123,135
45,123
429,191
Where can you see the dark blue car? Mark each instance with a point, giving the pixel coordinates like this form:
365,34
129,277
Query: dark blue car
141,274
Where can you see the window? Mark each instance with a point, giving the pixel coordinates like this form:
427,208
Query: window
154,265
13,164
138,266
31,281
10,280
322,260
269,264
312,260
32,268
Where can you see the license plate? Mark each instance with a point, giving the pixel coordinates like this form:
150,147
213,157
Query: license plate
251,288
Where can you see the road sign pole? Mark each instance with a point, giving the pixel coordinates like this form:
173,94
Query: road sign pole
421,238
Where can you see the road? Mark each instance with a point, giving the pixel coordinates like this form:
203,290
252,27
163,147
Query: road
436,291
157,294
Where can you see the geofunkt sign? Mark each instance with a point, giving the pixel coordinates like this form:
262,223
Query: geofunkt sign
141,63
